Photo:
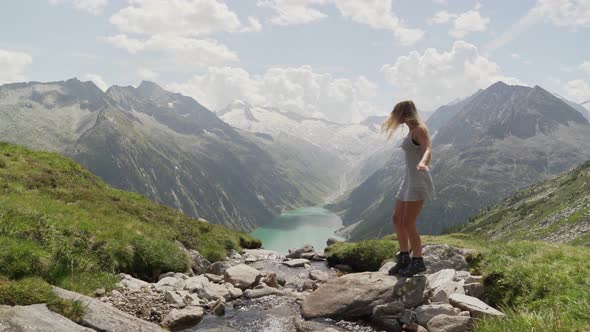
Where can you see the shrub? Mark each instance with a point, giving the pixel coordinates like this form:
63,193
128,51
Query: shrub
25,292
362,256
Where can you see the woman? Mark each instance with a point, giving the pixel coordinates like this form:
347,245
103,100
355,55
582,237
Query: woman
416,187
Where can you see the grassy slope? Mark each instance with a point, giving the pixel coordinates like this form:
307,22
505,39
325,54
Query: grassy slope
61,223
557,210
540,286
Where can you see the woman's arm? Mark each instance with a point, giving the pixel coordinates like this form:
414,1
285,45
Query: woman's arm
424,141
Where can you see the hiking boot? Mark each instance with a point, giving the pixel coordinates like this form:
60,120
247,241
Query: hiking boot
403,261
416,266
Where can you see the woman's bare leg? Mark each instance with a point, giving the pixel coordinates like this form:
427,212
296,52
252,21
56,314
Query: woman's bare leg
410,216
398,223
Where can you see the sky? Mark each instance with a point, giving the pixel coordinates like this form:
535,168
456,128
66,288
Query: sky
342,60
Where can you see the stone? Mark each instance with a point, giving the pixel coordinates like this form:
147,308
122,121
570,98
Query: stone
35,318
234,292
254,255
164,275
173,297
308,285
103,317
332,241
199,264
132,284
318,275
242,276
262,290
442,256
298,262
473,279
170,282
407,316
214,277
356,295
218,308
99,292
438,278
218,268
182,318
211,291
343,268
315,326
474,289
388,309
413,327
386,267
475,306
464,313
271,280
425,313
446,323
194,284
444,291
297,253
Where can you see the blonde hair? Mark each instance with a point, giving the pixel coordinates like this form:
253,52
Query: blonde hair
403,111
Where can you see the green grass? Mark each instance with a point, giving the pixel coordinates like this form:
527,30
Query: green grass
63,224
26,291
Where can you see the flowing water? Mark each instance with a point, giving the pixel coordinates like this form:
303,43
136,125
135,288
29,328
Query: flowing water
293,229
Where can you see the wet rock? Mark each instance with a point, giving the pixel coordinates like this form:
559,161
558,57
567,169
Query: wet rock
35,318
299,262
218,268
475,306
179,319
313,326
425,313
446,323
271,280
103,317
218,308
318,275
298,253
442,256
356,295
262,290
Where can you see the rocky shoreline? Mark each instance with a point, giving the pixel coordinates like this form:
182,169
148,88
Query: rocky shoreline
261,290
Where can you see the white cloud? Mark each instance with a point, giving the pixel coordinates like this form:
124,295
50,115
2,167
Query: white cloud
288,12
178,51
146,74
570,13
96,79
378,15
178,31
437,77
179,17
577,90
91,6
586,67
464,23
441,2
13,64
296,89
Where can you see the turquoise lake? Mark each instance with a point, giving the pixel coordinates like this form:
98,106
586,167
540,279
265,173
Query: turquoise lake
293,229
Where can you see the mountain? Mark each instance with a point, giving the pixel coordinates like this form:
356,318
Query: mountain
555,210
349,146
163,145
498,141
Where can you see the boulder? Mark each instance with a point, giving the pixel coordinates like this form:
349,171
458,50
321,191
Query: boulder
214,277
444,291
446,323
297,253
132,284
171,283
218,268
262,290
442,256
103,317
242,276
475,306
234,292
211,291
313,326
356,295
386,267
474,289
173,297
218,308
318,275
35,318
298,262
271,280
194,284
182,318
308,285
253,255
199,264
425,313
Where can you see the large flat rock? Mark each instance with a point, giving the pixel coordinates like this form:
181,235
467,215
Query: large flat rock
36,318
103,317
355,295
475,306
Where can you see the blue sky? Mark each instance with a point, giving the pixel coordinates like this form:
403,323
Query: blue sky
338,59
